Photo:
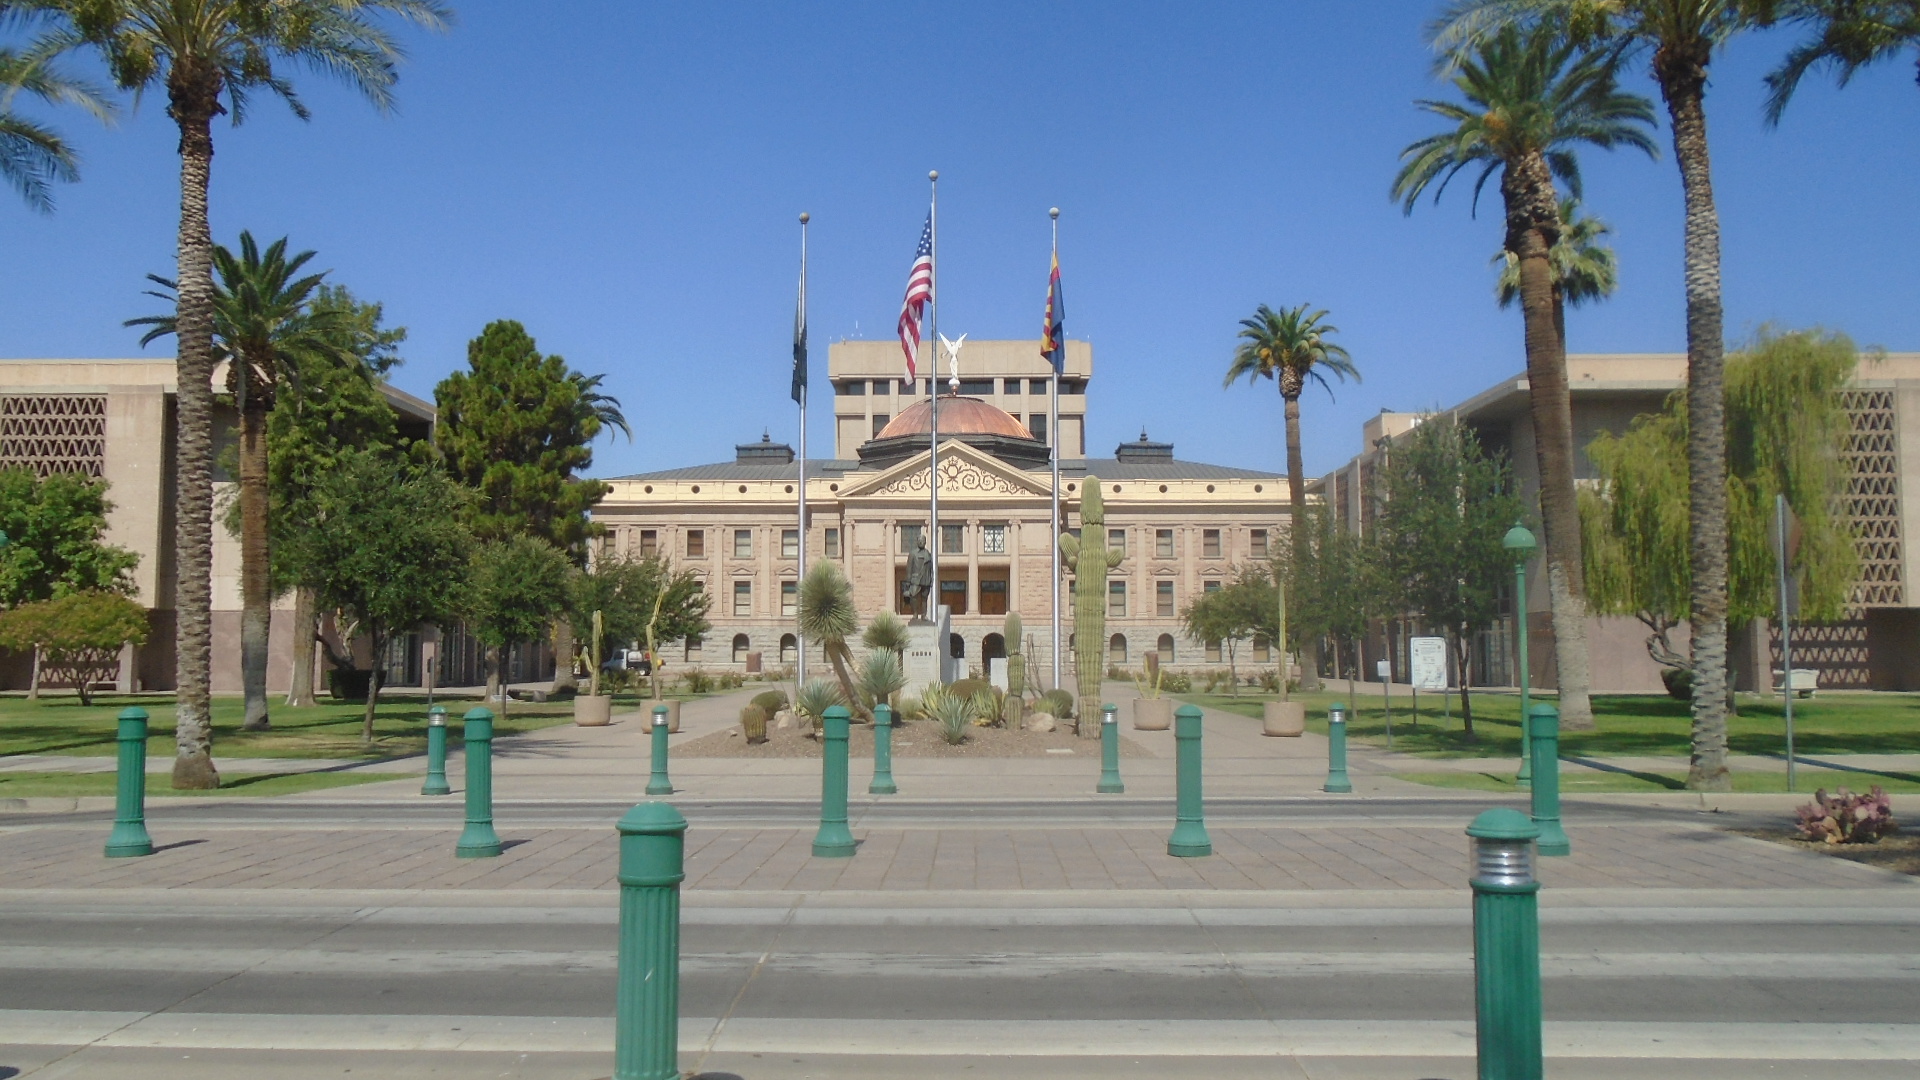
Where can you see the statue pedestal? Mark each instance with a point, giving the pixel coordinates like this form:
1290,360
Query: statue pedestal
927,660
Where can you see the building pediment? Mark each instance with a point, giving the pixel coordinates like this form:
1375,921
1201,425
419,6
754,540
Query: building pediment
965,472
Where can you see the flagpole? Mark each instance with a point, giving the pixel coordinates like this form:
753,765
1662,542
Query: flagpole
933,389
1053,437
800,346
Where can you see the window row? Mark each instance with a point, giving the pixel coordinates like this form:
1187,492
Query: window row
695,649
977,387
1117,651
742,548
953,539
1211,546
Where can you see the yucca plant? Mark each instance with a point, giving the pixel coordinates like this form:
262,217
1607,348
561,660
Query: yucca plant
887,631
827,616
880,677
814,698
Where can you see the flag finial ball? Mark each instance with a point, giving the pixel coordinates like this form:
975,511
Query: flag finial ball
1054,213
933,174
804,217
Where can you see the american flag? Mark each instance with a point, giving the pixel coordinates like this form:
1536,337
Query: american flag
919,291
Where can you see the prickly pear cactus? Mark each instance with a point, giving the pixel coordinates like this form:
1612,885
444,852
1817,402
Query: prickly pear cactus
1016,663
1088,558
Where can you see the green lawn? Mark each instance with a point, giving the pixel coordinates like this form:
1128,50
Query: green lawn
67,785
1574,782
1850,723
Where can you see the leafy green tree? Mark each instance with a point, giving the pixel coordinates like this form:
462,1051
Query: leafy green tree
1445,507
1330,590
263,323
54,547
678,612
1786,426
1224,615
1847,35
1292,346
32,155
388,548
519,585
74,637
1679,37
1530,98
201,52
633,594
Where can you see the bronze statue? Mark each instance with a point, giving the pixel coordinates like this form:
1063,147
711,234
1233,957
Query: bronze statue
919,583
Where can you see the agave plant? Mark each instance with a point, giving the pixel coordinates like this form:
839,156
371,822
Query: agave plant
986,707
953,712
880,677
814,698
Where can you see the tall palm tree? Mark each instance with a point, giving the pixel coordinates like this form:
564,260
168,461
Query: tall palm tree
32,155
1847,36
1291,347
1680,37
1530,100
211,56
264,326
1584,267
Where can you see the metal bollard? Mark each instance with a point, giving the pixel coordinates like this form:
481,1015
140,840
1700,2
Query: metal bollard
1338,782
1506,946
436,783
834,840
1189,839
646,1034
1110,783
659,783
882,753
1543,731
129,838
478,841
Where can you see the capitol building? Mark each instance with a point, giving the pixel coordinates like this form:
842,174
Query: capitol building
1185,526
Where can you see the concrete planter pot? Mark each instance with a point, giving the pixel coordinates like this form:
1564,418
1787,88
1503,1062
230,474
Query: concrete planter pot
1285,719
673,715
1152,714
593,711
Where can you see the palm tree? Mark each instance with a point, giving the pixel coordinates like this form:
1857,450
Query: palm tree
264,325
1531,98
826,615
1848,35
1584,267
204,52
1290,347
1680,36
32,155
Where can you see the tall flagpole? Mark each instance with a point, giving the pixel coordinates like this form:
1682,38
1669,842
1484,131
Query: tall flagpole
800,357
933,390
1053,436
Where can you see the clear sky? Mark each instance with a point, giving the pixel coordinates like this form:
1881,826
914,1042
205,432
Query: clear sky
624,178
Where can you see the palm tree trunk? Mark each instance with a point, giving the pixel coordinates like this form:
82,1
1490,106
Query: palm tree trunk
193,107
300,691
1297,500
1682,73
256,592
1533,223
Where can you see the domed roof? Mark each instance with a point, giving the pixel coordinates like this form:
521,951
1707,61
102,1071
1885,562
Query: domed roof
958,416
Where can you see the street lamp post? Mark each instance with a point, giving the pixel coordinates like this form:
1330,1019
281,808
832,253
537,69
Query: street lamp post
1521,545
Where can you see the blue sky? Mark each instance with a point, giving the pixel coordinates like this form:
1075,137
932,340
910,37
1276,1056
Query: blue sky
624,179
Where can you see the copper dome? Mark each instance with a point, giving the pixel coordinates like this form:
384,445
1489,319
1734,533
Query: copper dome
958,416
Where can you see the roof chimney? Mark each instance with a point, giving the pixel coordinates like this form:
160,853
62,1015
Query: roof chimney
1144,450
764,452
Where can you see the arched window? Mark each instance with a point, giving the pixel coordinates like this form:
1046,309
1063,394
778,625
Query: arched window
993,647
1165,648
789,647
1117,649
740,647
956,646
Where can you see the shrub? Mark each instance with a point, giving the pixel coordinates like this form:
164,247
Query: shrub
908,708
1058,703
1847,818
1679,683
966,688
697,682
1270,681
771,701
730,680
986,706
753,721
1176,682
79,636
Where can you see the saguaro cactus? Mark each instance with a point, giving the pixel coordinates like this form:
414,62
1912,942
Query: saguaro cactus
1088,558
1016,661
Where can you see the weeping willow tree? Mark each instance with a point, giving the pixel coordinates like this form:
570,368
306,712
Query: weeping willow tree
1786,428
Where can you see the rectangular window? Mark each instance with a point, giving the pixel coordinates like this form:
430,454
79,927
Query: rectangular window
789,543
1262,652
910,537
1163,543
1211,586
881,386
833,543
906,387
993,597
789,597
1036,386
1073,386
1037,426
993,540
1213,651
696,543
880,421
742,598
1013,386
1116,598
853,387
953,539
1210,543
1163,599
1117,540
1257,541
976,387
693,649
649,543
743,543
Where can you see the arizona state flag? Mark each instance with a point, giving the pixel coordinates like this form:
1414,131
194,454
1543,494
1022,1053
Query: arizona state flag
1053,340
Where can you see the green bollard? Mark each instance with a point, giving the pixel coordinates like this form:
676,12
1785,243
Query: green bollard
659,783
436,753
479,841
882,753
1543,730
1110,783
129,838
646,1034
1338,782
834,840
1506,946
1189,839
